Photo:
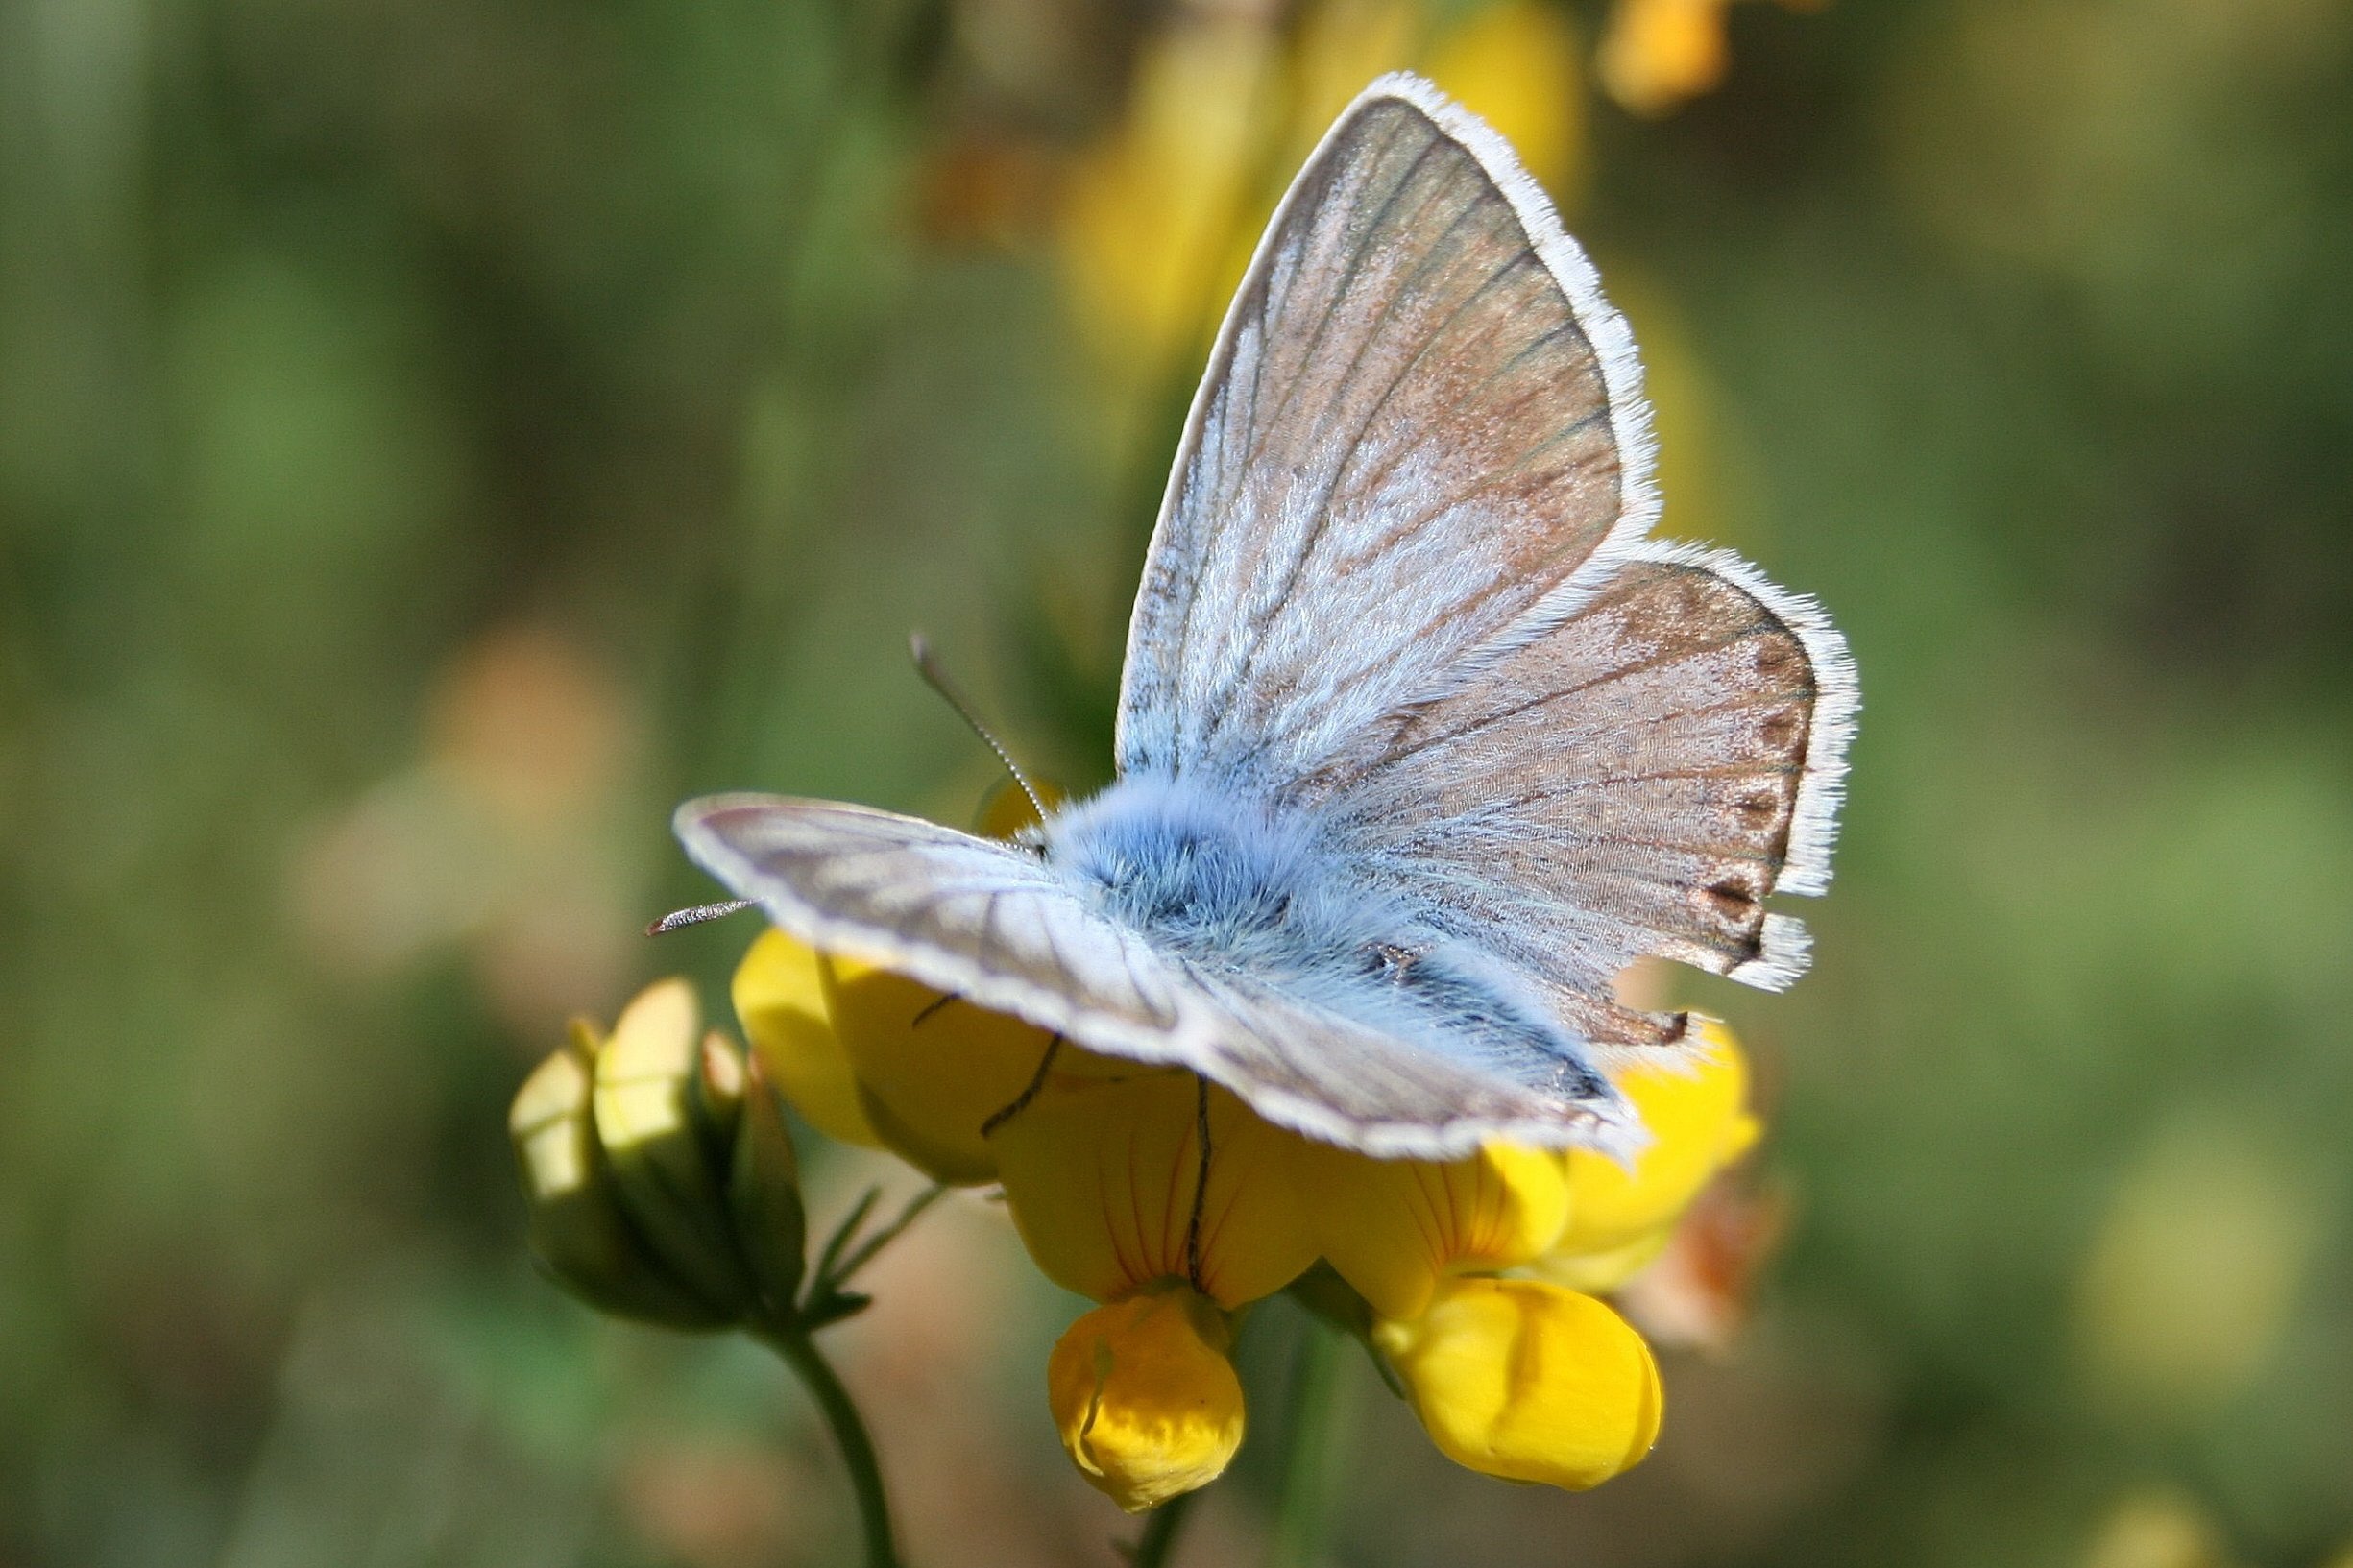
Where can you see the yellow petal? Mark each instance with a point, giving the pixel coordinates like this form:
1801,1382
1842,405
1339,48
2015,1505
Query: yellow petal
931,1070
780,999
1394,1228
1528,1381
1101,1168
1147,1401
1698,1119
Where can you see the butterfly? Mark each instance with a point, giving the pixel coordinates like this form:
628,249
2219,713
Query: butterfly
1421,740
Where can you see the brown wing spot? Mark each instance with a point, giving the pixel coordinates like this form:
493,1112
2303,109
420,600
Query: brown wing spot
1774,657
1756,810
1731,898
1782,734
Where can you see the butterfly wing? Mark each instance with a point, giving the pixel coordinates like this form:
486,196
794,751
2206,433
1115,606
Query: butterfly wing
994,924
1636,781
1422,428
1400,573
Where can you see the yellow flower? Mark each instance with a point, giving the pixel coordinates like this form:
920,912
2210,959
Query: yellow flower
1658,54
1149,215
1146,1398
1393,1229
1621,1215
1167,1201
1528,1381
859,1051
1104,1172
1159,220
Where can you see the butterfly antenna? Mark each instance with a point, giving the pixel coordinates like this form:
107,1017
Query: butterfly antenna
937,680
679,919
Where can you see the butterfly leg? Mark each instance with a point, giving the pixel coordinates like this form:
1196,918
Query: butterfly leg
1021,1102
1200,1181
933,1009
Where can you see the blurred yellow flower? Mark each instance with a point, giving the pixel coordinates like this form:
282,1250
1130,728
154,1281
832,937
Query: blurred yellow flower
2194,1273
1528,1381
1657,55
1146,1398
1158,219
2157,1527
1516,65
1149,215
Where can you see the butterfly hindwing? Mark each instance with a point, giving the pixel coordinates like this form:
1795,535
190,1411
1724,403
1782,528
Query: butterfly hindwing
1636,782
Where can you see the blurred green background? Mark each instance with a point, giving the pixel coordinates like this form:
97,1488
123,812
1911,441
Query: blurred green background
436,435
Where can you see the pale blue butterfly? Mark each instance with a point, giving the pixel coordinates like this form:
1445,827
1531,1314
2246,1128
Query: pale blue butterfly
1421,743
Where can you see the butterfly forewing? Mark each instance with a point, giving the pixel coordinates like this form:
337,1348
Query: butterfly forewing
991,923
1420,420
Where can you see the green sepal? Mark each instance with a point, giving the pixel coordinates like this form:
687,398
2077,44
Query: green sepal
763,1195
1328,1296
718,1098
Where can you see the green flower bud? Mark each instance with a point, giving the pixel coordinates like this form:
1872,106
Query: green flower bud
578,1226
666,1134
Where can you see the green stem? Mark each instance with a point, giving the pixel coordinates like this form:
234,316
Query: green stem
800,1352
1151,1548
1311,1469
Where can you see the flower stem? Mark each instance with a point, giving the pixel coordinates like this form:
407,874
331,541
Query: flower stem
1311,1461
1151,1548
816,1374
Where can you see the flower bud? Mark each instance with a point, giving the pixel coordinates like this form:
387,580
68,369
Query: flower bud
578,1225
1527,1380
1146,1400
664,1133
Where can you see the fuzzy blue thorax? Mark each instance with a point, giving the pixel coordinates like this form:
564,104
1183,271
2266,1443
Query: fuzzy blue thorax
1215,879
1210,875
